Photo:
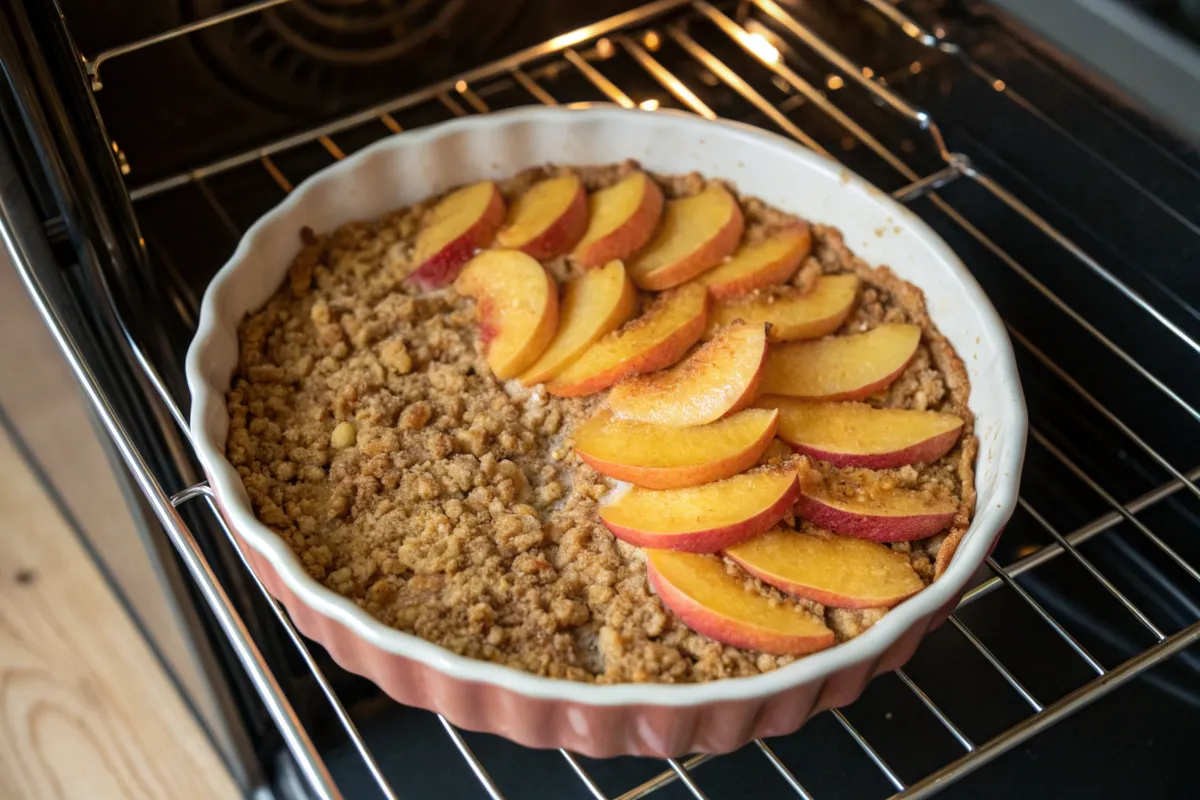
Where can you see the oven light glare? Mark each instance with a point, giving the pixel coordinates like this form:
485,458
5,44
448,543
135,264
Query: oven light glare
649,105
758,45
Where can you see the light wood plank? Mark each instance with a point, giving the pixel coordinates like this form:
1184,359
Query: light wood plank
85,709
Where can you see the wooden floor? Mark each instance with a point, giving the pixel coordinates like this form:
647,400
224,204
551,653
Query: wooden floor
85,709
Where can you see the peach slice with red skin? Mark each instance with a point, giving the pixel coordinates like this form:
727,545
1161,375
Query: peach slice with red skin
547,219
696,234
664,457
873,511
857,435
841,367
517,305
716,604
656,339
621,219
766,262
718,378
703,519
792,313
838,571
594,304
461,223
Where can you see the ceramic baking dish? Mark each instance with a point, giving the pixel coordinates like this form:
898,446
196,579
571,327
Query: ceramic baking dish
633,719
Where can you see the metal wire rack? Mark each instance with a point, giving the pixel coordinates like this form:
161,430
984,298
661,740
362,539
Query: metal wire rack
769,38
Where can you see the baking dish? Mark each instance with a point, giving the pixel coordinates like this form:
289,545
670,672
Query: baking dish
624,719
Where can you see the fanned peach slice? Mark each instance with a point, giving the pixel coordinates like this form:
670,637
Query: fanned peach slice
517,305
621,219
718,378
661,457
595,303
696,234
763,263
722,607
871,510
793,314
461,223
842,367
703,519
838,571
548,219
857,435
656,339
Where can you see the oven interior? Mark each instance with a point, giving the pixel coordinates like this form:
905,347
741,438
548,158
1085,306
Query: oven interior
1070,667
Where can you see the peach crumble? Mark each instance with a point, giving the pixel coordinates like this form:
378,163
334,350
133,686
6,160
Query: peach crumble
423,412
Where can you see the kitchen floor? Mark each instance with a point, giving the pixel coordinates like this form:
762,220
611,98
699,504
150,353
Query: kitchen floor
86,711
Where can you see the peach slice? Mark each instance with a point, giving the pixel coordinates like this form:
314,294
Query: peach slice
857,435
763,263
461,223
718,378
548,219
661,457
696,234
722,607
793,314
842,367
872,511
621,219
517,306
703,519
594,304
656,339
838,571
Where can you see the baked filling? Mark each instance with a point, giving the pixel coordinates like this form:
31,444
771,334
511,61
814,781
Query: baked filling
441,412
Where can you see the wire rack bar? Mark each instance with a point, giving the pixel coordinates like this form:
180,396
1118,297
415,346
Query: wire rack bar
1078,536
872,754
687,779
597,79
663,778
983,649
476,767
1093,571
851,70
360,745
936,180
532,86
1062,632
1060,709
739,85
595,790
967,744
911,27
783,771
1065,377
1116,505
665,78
499,68
93,66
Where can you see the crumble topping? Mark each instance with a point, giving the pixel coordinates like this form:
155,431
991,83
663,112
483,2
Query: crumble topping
370,434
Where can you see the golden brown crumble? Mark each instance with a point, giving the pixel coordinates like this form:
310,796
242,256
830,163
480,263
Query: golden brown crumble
371,435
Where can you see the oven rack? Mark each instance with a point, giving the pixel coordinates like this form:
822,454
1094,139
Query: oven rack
581,50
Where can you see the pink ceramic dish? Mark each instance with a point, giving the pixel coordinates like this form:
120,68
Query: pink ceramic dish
634,719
